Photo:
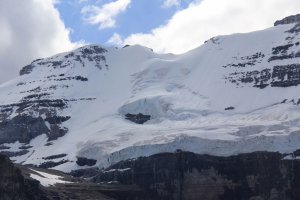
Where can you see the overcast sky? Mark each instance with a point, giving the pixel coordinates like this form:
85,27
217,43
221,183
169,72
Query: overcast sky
32,29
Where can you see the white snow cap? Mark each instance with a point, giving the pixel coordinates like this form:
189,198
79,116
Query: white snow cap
231,95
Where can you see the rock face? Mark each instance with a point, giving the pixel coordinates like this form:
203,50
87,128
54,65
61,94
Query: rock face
81,161
188,176
94,53
13,186
283,75
37,108
288,20
138,118
24,127
18,129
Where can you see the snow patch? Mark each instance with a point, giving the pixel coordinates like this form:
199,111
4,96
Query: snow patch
47,179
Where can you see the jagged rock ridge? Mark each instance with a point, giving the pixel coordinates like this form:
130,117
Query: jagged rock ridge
288,20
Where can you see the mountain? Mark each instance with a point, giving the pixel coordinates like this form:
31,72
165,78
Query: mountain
96,106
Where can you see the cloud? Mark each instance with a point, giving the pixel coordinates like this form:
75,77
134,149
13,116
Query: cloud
115,39
30,29
170,3
105,15
201,20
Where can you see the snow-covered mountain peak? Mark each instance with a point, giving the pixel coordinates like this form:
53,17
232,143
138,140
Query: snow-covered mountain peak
87,55
236,93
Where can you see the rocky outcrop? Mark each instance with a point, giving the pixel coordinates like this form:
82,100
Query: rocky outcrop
14,153
13,186
286,76
137,118
55,156
275,75
92,53
25,125
188,176
22,128
82,161
288,20
51,164
278,76
27,69
229,108
246,61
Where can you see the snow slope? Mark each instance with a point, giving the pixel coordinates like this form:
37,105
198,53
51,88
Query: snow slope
234,94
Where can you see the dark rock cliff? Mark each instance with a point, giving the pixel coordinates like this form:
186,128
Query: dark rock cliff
24,127
13,185
16,184
188,176
137,118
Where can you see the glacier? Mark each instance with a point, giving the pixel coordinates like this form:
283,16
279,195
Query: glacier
234,94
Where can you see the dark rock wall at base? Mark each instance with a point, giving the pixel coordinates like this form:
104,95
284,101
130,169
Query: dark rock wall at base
13,186
188,176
